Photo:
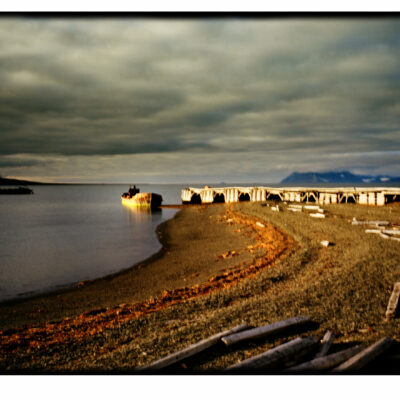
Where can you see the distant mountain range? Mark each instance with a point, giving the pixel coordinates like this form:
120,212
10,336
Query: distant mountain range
338,177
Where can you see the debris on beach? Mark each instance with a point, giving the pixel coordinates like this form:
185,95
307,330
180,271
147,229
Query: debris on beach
309,207
393,304
294,209
192,349
298,355
361,359
381,229
317,215
377,223
230,253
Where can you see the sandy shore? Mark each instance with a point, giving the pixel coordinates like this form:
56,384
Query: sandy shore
193,242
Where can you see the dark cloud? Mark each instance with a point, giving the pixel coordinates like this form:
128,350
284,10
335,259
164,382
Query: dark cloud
204,88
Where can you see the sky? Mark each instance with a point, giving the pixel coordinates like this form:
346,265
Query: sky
192,100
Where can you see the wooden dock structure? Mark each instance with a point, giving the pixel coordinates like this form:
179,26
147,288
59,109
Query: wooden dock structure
377,196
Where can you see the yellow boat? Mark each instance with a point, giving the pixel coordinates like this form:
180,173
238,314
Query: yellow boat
144,200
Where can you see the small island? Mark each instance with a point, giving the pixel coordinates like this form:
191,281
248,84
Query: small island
16,190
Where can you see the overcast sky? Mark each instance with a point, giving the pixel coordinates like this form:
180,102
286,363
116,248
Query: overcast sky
198,100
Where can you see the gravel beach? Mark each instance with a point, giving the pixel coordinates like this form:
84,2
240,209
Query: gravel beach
192,242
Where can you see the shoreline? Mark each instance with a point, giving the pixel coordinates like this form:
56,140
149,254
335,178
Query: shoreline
75,285
164,270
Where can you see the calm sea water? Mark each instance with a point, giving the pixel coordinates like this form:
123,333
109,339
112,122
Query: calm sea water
62,235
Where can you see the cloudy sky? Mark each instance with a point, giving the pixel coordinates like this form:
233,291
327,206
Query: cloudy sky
197,100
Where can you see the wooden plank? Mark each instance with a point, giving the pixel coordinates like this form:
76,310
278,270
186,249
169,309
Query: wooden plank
266,330
393,301
192,349
361,359
325,345
355,222
326,362
373,231
276,356
391,231
317,215
311,207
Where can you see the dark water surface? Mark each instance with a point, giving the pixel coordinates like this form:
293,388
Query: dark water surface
65,234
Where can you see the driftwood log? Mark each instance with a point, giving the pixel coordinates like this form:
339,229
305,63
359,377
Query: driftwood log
373,231
266,330
311,207
191,350
355,222
391,231
325,344
326,362
276,356
317,215
393,301
361,359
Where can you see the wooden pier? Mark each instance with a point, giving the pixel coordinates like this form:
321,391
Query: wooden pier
361,195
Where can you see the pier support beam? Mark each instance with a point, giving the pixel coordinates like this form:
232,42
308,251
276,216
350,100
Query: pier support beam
380,199
371,198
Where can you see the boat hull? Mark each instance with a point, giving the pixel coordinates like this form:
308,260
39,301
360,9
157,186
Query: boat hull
143,200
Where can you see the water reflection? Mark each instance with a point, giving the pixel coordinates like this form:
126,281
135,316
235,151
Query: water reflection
140,214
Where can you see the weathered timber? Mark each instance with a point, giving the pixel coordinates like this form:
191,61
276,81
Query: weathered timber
276,356
373,231
296,206
325,243
266,330
391,231
361,359
326,362
383,236
260,224
325,344
355,222
294,209
317,215
192,349
311,207
393,301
